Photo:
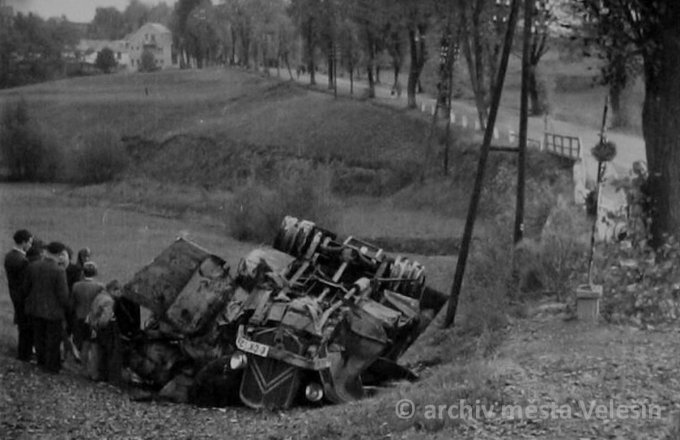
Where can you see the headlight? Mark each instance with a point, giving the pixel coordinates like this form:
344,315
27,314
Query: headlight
238,360
314,392
312,350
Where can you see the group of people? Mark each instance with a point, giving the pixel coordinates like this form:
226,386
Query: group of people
60,308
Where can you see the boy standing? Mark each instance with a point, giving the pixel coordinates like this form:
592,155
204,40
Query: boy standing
84,293
102,318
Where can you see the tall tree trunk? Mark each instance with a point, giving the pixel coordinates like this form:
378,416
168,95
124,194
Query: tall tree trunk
370,40
615,91
234,37
417,49
661,130
474,52
331,73
537,107
287,61
371,80
618,79
351,80
309,34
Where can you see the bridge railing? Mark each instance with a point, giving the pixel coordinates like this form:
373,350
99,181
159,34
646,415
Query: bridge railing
562,145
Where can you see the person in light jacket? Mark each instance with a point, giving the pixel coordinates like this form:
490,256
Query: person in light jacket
84,292
102,319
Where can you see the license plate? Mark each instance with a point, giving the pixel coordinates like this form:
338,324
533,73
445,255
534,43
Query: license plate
252,347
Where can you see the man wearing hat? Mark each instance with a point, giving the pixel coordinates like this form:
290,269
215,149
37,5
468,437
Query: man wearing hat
47,299
15,268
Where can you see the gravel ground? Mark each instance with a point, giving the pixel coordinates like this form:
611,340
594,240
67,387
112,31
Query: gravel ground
37,405
541,362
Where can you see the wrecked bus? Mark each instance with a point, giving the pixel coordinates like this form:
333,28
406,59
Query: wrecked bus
315,318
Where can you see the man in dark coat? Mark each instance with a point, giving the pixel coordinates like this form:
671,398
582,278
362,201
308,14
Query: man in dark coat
47,299
15,267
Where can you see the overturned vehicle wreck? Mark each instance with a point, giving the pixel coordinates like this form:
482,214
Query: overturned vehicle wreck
314,318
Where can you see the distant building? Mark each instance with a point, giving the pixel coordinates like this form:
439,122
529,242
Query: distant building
88,50
153,37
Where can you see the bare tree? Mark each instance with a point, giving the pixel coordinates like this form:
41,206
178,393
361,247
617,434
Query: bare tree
483,24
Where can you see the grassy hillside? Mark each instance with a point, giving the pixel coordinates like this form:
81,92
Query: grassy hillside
222,104
196,137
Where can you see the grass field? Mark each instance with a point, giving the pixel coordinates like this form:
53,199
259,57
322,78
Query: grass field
221,104
122,241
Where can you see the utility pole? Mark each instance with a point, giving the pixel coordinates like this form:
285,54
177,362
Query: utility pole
523,120
481,166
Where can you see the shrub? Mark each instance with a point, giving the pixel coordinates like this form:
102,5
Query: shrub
301,190
552,262
99,156
147,62
106,60
23,147
487,282
641,284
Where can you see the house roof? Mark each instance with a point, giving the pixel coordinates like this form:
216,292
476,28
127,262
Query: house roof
155,27
97,45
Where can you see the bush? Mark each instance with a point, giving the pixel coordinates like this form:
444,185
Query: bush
23,147
99,156
487,283
641,284
301,190
106,60
147,62
551,263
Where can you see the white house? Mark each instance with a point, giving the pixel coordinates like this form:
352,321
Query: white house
152,37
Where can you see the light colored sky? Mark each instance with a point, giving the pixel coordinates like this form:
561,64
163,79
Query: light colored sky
75,10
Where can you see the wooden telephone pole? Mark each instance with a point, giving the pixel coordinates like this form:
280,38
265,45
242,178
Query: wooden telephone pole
481,167
523,120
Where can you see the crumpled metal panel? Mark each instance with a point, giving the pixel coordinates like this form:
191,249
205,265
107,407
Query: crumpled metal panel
204,295
158,284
